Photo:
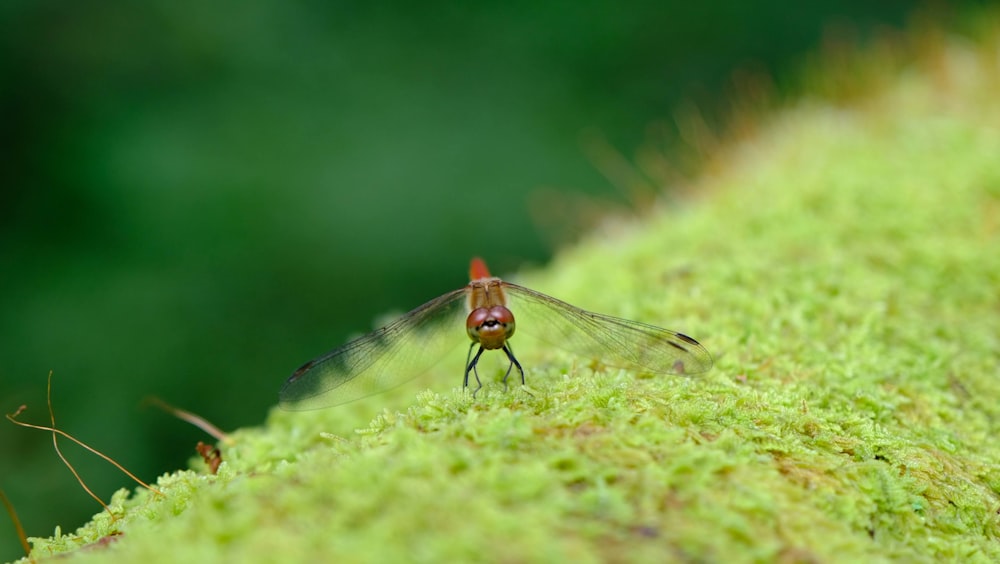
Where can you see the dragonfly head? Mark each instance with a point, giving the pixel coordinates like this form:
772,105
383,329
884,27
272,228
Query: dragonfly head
490,327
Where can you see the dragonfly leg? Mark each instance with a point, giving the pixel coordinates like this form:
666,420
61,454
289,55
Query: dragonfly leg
468,364
513,362
471,366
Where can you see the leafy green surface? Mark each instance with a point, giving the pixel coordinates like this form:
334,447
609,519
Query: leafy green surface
842,266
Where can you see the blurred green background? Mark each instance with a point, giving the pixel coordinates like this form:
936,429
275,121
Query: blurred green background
197,197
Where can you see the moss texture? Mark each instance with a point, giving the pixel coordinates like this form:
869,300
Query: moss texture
843,265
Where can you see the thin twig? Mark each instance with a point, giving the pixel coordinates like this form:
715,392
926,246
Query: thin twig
13,419
55,445
196,420
17,525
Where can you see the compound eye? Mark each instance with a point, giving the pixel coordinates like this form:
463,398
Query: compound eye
476,320
504,317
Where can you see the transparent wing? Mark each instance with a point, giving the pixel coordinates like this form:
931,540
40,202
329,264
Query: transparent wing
618,342
382,359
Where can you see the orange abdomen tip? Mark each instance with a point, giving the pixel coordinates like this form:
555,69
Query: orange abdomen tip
478,270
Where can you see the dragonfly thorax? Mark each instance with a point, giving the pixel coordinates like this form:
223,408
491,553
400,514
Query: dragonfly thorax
490,327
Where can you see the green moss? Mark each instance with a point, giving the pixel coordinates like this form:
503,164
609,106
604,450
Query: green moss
844,268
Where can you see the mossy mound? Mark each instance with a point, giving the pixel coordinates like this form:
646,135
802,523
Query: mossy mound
843,265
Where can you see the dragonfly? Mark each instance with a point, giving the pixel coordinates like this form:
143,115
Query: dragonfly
413,343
